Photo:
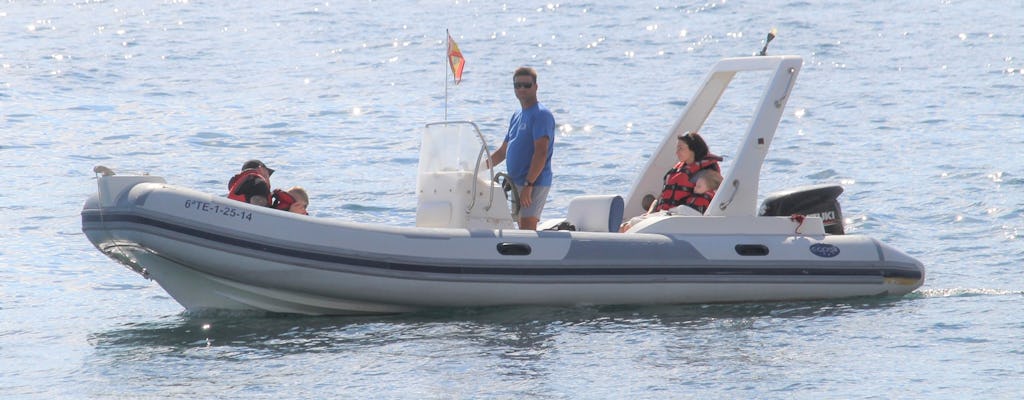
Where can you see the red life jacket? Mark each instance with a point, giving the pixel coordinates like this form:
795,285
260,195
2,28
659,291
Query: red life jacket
239,180
284,200
679,185
700,201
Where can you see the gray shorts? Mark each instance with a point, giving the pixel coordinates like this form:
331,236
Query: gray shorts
538,197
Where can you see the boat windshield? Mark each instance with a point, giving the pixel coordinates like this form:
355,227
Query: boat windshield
451,147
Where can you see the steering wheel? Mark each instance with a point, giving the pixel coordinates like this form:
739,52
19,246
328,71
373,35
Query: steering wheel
511,192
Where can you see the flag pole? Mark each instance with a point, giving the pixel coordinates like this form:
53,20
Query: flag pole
448,49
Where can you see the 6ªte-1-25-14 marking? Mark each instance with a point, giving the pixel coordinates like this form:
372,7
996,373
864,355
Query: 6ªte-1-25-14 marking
207,207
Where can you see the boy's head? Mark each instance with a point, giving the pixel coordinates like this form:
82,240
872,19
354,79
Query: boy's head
707,181
301,200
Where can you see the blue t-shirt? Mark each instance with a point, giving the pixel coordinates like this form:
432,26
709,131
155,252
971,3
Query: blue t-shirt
525,127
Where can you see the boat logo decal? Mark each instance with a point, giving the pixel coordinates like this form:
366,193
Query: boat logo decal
824,250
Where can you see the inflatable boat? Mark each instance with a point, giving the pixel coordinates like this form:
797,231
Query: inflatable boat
212,253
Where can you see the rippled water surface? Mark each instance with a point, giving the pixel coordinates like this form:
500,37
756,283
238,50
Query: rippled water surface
915,107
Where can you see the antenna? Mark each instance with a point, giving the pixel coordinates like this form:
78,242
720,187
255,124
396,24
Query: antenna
771,35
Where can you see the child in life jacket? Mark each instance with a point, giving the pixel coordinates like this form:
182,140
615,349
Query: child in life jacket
708,181
252,185
294,200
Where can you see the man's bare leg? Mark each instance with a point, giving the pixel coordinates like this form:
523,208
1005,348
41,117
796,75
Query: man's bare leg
528,223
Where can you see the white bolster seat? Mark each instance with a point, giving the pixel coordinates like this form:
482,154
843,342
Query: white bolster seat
596,213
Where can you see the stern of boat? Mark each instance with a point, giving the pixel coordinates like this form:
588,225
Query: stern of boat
909,275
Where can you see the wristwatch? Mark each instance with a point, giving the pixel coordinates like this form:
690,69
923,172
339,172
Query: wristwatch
528,183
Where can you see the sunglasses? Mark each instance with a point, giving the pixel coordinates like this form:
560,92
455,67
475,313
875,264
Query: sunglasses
525,85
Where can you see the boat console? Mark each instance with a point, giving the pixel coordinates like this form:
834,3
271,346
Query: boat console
452,189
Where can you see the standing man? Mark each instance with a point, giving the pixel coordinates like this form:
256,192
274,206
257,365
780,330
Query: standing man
528,145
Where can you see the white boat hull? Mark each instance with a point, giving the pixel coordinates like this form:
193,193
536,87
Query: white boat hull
281,262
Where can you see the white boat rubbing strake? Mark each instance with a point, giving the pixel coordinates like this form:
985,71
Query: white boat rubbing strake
209,252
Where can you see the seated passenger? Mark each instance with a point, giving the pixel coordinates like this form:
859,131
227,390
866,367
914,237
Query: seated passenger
294,200
694,156
252,185
708,181
301,200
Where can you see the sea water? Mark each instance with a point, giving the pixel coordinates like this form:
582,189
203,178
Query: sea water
914,107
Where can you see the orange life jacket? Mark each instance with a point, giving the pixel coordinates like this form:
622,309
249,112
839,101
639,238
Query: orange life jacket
283,200
679,185
700,201
238,183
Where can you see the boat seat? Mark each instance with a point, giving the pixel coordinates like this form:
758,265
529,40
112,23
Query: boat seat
596,213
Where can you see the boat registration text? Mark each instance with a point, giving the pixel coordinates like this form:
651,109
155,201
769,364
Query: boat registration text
211,208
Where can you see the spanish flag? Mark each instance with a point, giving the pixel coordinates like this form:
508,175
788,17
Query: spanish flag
455,59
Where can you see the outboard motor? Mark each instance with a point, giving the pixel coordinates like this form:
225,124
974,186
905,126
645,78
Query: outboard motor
812,201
